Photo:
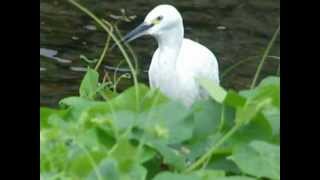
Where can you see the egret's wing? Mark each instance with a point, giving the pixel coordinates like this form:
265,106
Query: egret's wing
200,62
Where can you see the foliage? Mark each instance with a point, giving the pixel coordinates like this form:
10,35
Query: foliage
91,138
140,134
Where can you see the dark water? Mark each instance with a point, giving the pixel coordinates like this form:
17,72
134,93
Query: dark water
233,29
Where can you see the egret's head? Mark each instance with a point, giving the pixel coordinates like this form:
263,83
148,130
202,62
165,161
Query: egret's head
158,21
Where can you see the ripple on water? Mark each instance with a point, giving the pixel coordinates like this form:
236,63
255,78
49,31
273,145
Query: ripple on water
51,54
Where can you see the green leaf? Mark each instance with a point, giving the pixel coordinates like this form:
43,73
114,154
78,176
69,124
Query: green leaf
215,91
109,168
220,162
105,138
234,178
258,129
79,162
267,93
250,110
125,154
170,156
258,159
174,176
207,118
89,84
164,125
268,88
211,120
151,98
222,96
272,114
206,174
106,168
233,99
45,114
168,123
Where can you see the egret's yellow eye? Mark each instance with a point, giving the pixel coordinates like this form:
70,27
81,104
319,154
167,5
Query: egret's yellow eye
157,20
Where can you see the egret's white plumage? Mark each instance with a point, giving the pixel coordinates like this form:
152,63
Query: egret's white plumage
178,61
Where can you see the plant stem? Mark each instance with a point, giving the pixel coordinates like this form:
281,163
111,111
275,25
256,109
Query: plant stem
278,70
135,59
213,148
91,160
98,21
222,118
266,52
229,69
103,53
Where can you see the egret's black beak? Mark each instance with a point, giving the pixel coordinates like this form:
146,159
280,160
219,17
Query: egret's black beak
135,33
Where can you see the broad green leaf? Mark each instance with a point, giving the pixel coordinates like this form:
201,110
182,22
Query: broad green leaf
268,88
107,168
122,163
207,118
265,94
81,163
197,147
258,129
153,166
233,99
234,178
211,120
230,98
45,113
105,138
170,156
206,174
137,173
125,154
168,123
250,110
215,91
272,114
89,84
77,106
152,98
127,99
115,123
258,159
124,101
219,162
175,176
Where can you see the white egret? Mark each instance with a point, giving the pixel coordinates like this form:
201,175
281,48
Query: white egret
178,61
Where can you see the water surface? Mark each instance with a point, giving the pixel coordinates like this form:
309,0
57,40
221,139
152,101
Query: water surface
233,29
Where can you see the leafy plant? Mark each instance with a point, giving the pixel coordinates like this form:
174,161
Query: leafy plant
87,138
140,134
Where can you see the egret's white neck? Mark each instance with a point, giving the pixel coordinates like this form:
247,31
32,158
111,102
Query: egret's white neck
170,42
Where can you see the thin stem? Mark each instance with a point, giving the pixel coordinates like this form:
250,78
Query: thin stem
278,70
130,50
98,21
222,119
213,148
103,53
115,77
114,128
266,52
115,84
229,69
92,161
84,58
